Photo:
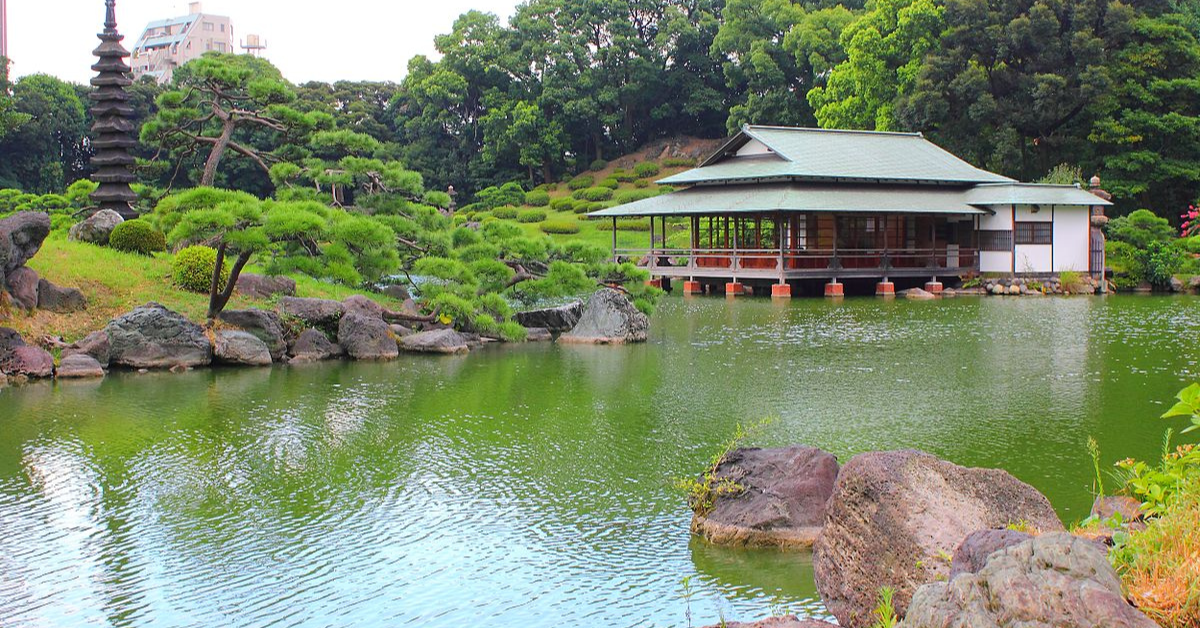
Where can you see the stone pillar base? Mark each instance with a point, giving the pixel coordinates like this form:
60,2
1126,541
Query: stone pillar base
934,287
885,289
693,287
781,291
835,290
733,288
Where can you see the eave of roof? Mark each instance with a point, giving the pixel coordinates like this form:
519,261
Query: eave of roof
991,195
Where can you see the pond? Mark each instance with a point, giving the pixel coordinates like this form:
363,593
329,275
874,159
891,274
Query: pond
531,485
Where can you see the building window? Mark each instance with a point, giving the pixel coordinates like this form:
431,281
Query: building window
993,240
208,26
1034,232
222,28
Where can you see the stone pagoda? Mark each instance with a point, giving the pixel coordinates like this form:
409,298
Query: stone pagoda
112,132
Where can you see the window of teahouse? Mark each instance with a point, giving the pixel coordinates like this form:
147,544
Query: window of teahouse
995,240
1033,232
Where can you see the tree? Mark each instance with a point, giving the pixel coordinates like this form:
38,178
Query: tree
223,102
10,118
46,151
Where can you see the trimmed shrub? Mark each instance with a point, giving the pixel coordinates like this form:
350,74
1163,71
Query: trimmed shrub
626,224
59,222
531,215
598,165
560,226
563,204
623,176
506,213
192,269
137,236
582,207
508,194
594,194
610,183
679,162
641,184
537,198
630,196
581,182
550,187
646,169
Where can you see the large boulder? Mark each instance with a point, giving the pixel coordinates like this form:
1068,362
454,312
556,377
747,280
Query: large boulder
95,345
321,313
785,621
972,554
154,337
556,319
18,358
96,228
23,286
445,341
22,236
52,298
608,318
782,501
358,304
312,346
240,347
1054,580
894,519
79,366
366,337
263,286
264,324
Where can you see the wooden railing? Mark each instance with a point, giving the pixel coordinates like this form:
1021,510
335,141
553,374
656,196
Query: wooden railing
798,262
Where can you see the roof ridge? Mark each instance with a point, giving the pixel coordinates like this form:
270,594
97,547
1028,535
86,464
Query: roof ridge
1071,186
806,129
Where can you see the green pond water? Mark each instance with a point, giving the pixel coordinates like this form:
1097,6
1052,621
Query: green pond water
530,485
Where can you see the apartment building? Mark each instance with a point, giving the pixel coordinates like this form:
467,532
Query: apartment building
168,44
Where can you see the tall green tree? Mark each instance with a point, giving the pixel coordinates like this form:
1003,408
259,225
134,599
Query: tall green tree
10,118
45,150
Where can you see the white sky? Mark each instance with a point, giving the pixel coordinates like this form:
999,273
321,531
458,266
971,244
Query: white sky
306,39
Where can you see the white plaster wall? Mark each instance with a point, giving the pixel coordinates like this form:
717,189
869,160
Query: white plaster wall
1026,213
1033,258
753,147
1072,236
1000,221
995,262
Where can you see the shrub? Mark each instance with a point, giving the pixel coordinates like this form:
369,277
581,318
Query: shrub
624,225
630,196
641,183
192,269
581,182
563,204
679,162
508,194
598,165
137,236
623,176
1158,565
646,169
1140,228
610,183
537,198
531,215
560,226
582,207
594,194
506,213
61,221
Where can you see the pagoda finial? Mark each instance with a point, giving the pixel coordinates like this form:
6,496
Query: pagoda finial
110,16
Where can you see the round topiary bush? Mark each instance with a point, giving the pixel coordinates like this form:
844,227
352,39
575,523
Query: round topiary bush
580,182
137,236
610,183
560,226
192,269
507,213
595,194
562,204
646,169
531,215
537,198
598,165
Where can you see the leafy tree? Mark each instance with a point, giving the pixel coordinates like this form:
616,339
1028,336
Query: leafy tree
10,119
1141,228
44,148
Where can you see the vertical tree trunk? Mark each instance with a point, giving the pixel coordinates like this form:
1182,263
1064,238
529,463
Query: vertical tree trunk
218,151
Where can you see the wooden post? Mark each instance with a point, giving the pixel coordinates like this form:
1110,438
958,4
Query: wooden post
616,258
733,264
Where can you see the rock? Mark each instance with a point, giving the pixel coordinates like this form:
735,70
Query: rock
79,366
783,501
972,554
556,319
1176,285
61,300
538,334
240,347
949,292
436,341
154,337
358,304
23,286
1052,580
313,346
96,228
998,289
1014,289
27,360
919,294
94,345
1194,284
398,292
314,312
1129,508
366,338
608,318
895,517
263,286
786,621
400,331
22,235
264,324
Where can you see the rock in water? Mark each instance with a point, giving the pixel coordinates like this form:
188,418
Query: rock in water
154,337
23,233
786,621
94,345
79,366
240,347
538,334
437,341
1053,580
264,287
61,300
20,359
97,227
313,346
264,324
972,554
608,318
23,286
894,519
782,502
556,319
919,294
366,338
315,312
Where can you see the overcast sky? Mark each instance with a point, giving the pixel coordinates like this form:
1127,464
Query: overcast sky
307,39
